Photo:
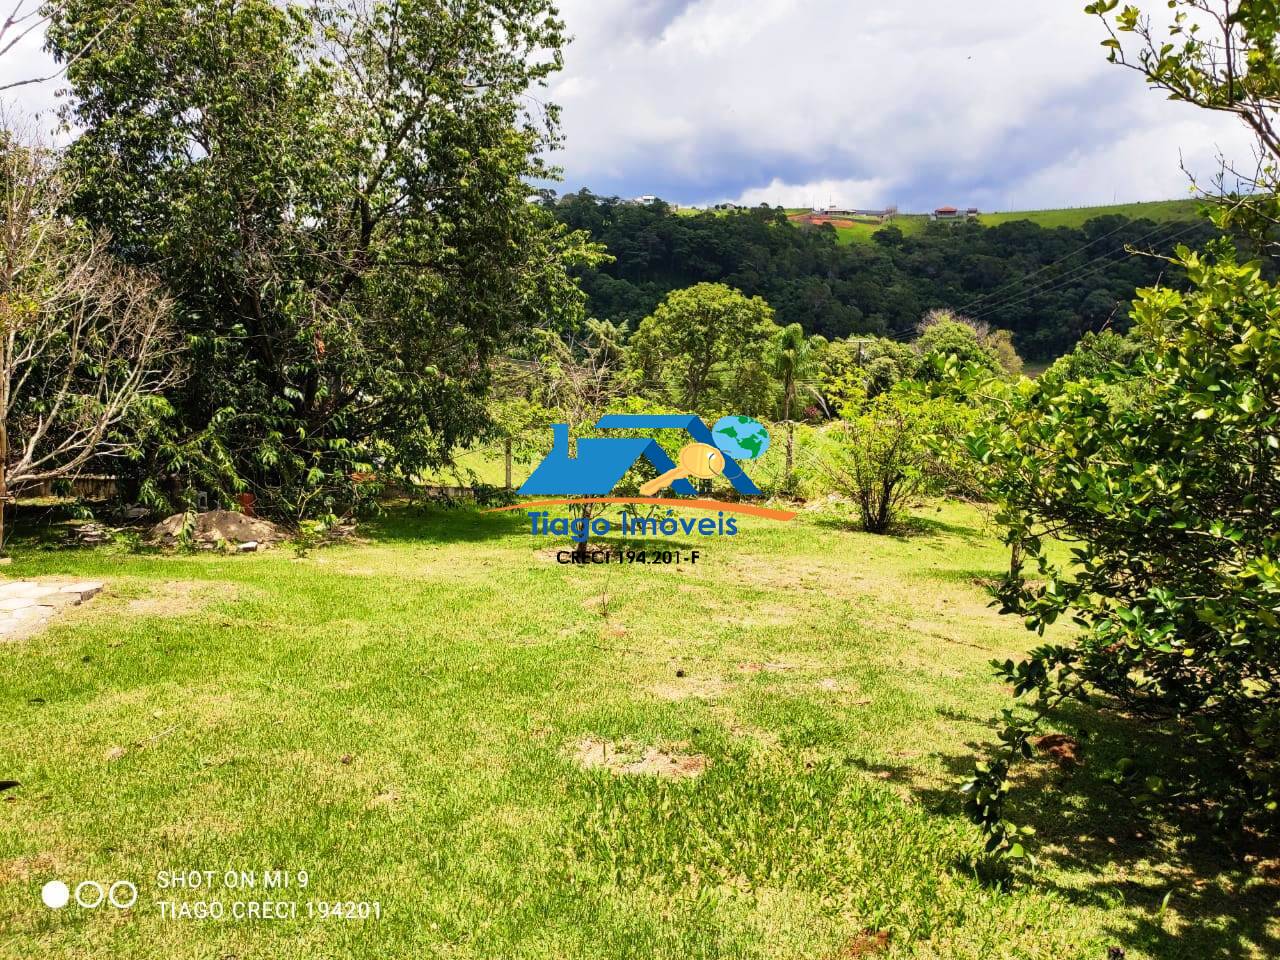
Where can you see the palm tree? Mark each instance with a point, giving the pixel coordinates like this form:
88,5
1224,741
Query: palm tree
795,359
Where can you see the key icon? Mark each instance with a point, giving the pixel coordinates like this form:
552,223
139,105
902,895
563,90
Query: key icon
700,460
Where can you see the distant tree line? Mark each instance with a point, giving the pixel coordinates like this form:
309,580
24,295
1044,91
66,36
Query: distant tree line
1047,287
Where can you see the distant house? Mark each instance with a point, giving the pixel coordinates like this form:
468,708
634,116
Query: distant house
952,213
600,463
834,211
726,206
645,200
946,213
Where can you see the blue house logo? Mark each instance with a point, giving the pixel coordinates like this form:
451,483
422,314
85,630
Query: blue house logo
601,462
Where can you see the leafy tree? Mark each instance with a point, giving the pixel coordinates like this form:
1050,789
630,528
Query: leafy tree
864,367
705,348
1165,475
794,358
1000,343
1092,357
336,194
1219,56
945,335
1045,286
87,348
578,380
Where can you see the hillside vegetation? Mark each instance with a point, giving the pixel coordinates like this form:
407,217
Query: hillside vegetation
1048,277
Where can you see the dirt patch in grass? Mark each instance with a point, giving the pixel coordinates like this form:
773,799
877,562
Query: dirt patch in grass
173,598
866,944
387,798
1064,750
597,603
785,574
592,753
23,869
755,667
765,615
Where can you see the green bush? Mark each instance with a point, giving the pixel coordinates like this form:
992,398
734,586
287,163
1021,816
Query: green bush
888,450
1092,357
1165,477
944,337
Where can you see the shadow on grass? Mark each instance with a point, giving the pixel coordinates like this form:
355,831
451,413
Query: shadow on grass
34,525
926,526
1112,852
913,527
440,524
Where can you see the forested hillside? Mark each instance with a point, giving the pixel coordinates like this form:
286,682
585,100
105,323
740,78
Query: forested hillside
1046,285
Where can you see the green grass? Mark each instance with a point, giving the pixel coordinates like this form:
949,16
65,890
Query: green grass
484,464
1159,211
909,223
398,718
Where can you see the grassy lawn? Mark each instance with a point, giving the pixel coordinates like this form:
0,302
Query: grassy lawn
909,223
484,464
402,718
1156,210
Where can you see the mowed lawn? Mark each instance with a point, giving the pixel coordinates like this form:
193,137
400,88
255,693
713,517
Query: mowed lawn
403,719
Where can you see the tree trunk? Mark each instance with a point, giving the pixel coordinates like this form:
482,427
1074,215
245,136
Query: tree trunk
580,550
1015,560
4,481
506,453
788,399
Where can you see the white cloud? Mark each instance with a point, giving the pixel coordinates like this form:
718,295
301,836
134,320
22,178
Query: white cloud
818,193
918,103
1007,105
26,61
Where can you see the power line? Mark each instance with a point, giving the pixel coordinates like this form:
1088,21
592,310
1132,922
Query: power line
1053,263
1075,273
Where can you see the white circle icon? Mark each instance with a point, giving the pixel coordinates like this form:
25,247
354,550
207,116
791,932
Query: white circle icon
90,885
55,894
118,901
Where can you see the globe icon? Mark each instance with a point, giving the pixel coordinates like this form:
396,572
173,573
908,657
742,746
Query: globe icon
741,437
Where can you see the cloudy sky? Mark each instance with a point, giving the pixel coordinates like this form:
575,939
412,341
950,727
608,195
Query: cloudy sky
1007,104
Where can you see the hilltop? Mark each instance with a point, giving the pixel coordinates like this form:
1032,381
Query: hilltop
1159,211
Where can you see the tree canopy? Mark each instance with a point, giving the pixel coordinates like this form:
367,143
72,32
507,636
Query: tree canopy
335,193
1046,286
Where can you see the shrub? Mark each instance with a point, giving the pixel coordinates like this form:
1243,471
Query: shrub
1092,357
1166,477
944,335
883,453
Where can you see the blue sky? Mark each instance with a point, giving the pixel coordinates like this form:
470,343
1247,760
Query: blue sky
1004,104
